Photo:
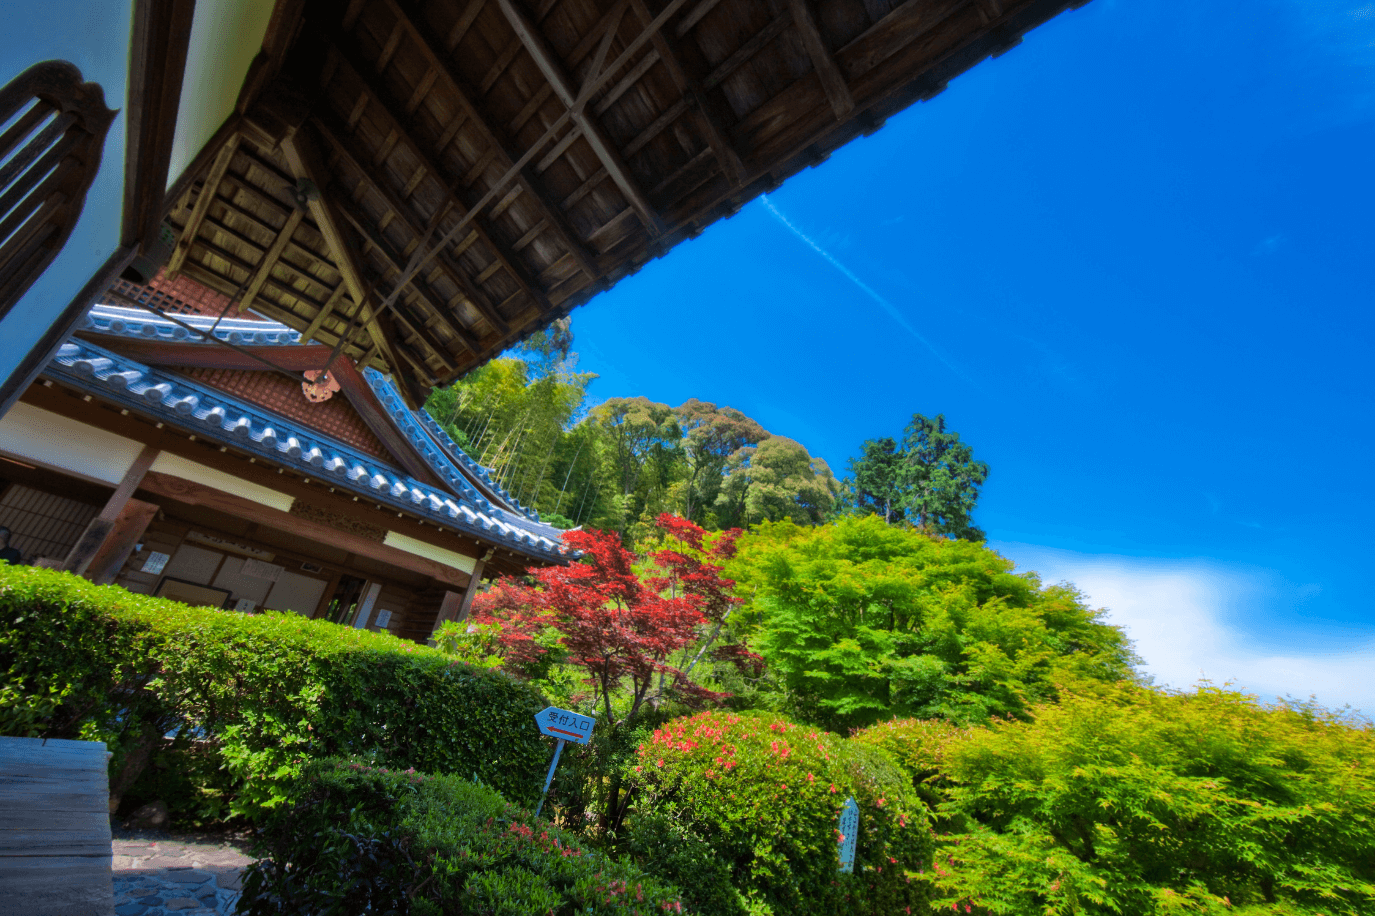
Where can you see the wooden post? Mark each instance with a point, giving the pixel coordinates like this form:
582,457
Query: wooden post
93,539
471,590
126,531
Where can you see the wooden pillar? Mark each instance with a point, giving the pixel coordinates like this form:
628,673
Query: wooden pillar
126,531
96,539
471,590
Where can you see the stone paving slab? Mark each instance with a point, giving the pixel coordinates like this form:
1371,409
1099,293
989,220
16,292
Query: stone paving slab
176,877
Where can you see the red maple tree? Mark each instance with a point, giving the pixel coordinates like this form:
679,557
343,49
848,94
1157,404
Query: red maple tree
624,630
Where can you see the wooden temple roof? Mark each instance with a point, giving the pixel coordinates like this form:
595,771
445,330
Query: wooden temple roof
422,183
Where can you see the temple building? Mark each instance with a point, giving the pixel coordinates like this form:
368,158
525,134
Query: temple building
174,450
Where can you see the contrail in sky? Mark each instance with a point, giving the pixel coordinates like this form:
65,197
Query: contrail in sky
869,291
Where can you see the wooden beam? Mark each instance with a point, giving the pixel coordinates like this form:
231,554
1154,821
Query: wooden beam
832,80
157,62
330,304
471,591
306,161
574,102
501,144
532,150
702,107
202,207
451,202
126,531
448,608
269,259
96,533
196,494
391,257
722,71
350,154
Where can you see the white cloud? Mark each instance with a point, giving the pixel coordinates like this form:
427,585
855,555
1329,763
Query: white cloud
1194,619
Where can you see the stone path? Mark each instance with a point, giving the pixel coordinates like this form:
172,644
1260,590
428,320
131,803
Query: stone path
170,877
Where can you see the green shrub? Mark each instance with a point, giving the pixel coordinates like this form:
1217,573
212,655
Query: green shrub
918,746
261,692
1139,802
359,839
665,849
766,795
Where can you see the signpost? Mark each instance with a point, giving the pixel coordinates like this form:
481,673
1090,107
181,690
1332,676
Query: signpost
849,831
563,726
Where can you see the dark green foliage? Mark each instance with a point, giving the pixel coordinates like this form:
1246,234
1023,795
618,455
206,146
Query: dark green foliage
765,794
260,692
931,482
873,480
356,839
860,621
668,851
1142,803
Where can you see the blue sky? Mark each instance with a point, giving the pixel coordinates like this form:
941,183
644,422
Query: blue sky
1130,260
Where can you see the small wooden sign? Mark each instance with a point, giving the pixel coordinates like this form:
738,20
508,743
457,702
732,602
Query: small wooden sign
848,834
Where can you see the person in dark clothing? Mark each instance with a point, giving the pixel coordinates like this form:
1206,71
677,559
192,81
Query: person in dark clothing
8,553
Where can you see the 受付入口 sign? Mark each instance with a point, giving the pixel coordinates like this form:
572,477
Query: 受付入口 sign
848,833
565,725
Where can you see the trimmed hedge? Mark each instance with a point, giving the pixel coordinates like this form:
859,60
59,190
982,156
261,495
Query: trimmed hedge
765,794
360,839
262,693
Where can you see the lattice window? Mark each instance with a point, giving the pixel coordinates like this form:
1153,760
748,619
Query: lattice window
41,524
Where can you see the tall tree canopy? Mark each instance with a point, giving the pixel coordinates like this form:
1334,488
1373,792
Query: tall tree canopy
711,435
859,620
932,481
620,464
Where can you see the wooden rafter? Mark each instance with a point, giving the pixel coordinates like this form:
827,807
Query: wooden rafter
346,150
202,207
451,202
440,65
306,162
270,258
832,80
575,102
368,230
707,120
325,310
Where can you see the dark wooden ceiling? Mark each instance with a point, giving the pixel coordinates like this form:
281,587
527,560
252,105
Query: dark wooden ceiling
428,181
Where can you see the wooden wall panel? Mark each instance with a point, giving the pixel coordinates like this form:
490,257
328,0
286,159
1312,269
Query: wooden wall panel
54,828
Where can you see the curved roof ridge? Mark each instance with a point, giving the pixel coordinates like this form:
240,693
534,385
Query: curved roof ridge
142,324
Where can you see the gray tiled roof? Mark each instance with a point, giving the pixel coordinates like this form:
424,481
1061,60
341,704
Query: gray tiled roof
220,417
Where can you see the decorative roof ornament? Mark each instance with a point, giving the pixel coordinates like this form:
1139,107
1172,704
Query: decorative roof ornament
319,385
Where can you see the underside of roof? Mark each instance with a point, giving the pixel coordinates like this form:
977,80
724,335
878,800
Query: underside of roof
422,183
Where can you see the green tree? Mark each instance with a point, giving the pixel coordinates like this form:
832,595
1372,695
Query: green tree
859,621
1138,802
931,482
776,479
640,440
873,483
940,479
710,436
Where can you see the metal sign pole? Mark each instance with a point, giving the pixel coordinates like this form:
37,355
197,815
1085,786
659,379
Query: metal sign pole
558,749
